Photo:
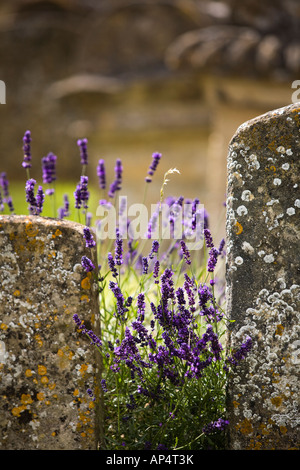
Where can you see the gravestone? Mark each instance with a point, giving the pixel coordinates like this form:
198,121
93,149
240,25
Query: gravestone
46,365
263,277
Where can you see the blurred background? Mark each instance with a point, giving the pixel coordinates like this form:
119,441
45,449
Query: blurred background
136,77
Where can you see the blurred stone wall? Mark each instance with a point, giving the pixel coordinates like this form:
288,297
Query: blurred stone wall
130,77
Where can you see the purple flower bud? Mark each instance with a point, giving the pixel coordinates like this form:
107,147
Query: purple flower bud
87,264
119,250
208,238
185,252
82,143
101,174
35,203
49,168
40,197
155,161
27,150
145,265
212,261
89,239
111,265
116,185
156,271
154,249
81,193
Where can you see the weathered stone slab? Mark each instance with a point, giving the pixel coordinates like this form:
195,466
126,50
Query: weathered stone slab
46,365
263,292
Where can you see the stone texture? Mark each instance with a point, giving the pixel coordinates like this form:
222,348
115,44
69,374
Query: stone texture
46,364
263,292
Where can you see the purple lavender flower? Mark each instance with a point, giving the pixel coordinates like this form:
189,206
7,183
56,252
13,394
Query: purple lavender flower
103,385
145,265
155,161
221,247
185,252
1,203
189,287
82,144
154,249
4,183
49,168
40,198
81,193
35,203
101,174
141,305
27,150
90,333
240,353
214,426
213,258
90,394
111,265
116,185
119,250
208,238
156,271
89,238
87,264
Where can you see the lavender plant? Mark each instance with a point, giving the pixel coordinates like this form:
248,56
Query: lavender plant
165,364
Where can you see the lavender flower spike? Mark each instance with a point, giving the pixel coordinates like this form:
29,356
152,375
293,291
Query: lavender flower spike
185,252
48,167
40,197
89,239
116,185
27,150
155,161
87,264
81,193
82,143
101,174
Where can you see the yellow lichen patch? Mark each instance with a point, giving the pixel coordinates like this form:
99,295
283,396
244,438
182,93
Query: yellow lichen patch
17,410
40,396
85,283
83,369
39,340
44,380
60,353
26,399
276,401
279,330
30,230
3,326
263,429
17,293
85,298
76,392
235,404
42,370
52,254
57,233
245,427
239,228
52,386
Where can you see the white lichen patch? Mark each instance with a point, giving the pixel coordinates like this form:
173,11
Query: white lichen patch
269,258
290,211
247,248
242,210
